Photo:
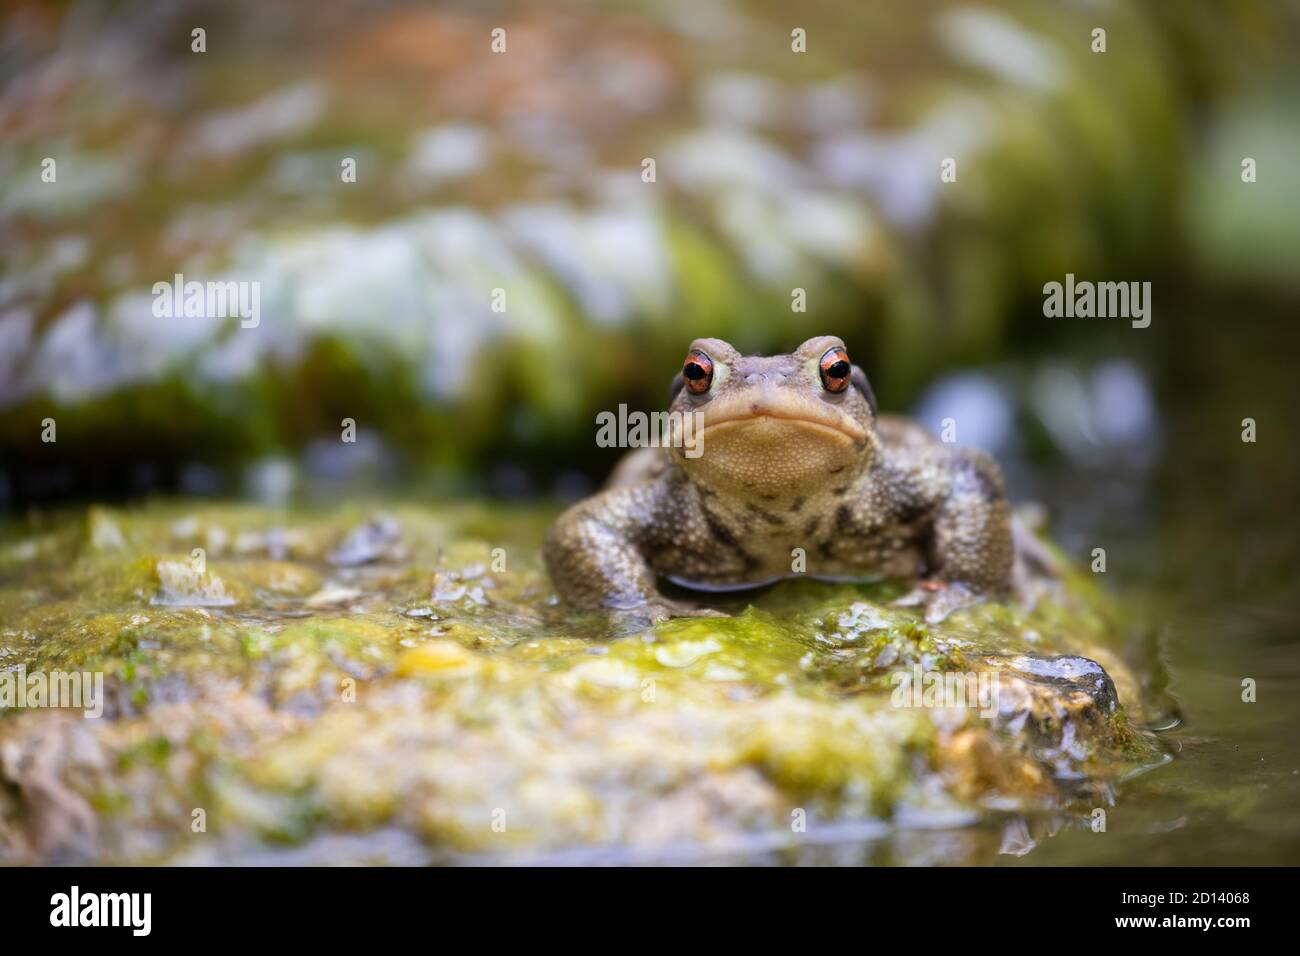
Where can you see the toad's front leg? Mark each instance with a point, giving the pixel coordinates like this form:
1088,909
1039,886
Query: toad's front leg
595,555
970,541
970,551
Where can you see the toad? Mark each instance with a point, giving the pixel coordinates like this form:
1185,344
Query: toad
793,472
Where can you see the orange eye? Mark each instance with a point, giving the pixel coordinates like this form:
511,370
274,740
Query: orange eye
836,369
698,372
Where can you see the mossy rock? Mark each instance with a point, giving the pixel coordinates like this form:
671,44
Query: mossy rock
409,692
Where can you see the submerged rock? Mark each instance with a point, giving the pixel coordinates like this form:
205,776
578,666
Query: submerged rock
347,708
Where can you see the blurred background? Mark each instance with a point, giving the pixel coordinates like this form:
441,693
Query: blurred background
522,171
774,170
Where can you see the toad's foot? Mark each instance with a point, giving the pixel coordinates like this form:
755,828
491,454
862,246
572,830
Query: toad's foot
938,599
662,609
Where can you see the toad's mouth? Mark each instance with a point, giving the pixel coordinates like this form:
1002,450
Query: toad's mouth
808,415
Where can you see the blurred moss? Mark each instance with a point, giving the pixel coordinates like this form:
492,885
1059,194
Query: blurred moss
775,170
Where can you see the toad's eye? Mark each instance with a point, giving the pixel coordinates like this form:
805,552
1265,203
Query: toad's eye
836,369
698,372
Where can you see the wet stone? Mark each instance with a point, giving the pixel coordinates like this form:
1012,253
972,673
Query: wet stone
1078,673
368,542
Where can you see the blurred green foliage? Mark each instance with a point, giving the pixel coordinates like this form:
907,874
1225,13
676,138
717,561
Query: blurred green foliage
522,171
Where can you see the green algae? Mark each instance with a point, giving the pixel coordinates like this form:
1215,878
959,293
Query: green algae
407,670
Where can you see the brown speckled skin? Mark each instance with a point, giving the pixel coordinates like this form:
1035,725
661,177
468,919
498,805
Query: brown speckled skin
786,465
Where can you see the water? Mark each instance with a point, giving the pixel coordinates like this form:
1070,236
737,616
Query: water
1216,574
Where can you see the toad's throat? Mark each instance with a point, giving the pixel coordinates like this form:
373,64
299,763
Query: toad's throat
827,426
771,412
